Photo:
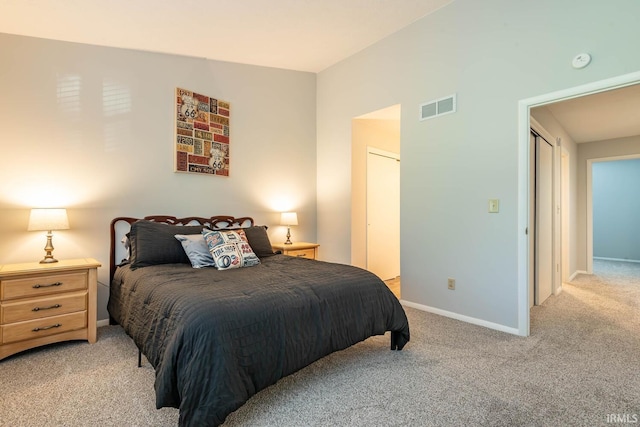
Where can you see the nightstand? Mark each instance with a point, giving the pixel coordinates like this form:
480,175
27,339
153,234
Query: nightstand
47,303
298,249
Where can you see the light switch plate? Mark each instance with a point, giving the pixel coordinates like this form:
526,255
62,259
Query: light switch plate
494,205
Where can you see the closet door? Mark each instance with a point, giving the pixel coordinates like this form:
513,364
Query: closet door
383,214
544,221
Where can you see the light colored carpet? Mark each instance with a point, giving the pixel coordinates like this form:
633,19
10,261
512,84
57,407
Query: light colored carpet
580,366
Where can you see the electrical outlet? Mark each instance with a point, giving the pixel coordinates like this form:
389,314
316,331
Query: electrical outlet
451,283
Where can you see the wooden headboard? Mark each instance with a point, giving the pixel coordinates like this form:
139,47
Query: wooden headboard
120,226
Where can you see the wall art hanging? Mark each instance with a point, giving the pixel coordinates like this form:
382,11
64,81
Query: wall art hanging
202,134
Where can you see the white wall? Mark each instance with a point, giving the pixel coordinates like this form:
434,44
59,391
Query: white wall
75,154
616,203
492,54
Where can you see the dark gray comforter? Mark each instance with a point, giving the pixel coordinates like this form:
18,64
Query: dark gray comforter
215,338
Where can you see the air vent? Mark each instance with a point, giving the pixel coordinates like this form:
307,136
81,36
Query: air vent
439,107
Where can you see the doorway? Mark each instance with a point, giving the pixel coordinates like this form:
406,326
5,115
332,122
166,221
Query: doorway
616,232
524,107
379,130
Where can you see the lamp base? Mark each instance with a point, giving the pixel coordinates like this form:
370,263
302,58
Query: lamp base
48,257
288,241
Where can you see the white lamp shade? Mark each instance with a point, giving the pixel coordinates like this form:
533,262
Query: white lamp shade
48,219
288,218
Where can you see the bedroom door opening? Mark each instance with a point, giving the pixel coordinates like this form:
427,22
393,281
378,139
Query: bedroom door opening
525,265
377,131
383,213
616,210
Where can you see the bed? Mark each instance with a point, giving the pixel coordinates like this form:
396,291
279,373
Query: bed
217,337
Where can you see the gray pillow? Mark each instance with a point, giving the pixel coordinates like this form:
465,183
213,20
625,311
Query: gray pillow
259,240
197,250
154,243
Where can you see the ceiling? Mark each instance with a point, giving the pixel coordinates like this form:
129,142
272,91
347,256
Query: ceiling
302,35
602,116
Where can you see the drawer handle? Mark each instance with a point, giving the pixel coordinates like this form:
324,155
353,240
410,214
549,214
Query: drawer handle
46,308
44,328
47,286
300,256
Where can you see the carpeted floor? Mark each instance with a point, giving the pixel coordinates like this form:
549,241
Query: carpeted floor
580,367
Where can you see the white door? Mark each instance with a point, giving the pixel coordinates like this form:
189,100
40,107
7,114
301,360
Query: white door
565,194
544,221
383,213
531,230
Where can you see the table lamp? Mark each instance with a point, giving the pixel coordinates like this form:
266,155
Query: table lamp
48,220
288,219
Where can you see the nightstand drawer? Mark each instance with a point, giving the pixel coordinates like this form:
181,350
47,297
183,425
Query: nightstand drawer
43,307
42,285
43,327
302,253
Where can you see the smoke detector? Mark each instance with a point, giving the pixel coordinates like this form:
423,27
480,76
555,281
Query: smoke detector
581,60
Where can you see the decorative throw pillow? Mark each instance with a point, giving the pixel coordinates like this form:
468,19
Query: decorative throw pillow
153,243
197,250
230,249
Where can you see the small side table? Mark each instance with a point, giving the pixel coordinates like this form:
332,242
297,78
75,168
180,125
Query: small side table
298,249
47,303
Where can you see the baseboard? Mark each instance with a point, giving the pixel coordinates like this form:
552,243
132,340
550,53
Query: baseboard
616,259
575,274
461,317
103,322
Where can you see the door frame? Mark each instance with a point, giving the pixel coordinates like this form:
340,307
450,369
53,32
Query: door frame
524,113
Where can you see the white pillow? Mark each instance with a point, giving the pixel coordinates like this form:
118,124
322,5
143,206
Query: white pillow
127,247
